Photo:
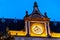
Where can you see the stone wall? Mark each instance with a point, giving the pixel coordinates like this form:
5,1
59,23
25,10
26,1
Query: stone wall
31,38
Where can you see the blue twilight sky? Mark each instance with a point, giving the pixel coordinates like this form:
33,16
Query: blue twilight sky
17,8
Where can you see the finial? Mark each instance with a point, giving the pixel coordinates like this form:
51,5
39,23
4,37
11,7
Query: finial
55,23
45,14
26,13
3,20
35,4
15,20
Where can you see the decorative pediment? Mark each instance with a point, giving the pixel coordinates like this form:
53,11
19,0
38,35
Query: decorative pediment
36,15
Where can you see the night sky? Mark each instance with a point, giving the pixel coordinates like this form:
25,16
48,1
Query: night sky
17,8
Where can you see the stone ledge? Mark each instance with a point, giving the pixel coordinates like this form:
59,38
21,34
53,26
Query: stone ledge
31,38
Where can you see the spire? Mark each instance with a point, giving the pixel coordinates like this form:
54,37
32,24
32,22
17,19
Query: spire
35,6
36,13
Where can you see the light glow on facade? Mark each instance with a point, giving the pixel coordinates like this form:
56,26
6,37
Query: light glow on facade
39,30
17,33
53,34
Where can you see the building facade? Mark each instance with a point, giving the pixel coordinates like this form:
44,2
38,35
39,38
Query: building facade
35,26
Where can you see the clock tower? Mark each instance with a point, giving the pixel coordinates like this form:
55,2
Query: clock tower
36,24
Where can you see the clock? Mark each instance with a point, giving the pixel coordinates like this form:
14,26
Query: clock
37,29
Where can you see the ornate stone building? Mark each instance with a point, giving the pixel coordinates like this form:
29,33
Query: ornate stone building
36,26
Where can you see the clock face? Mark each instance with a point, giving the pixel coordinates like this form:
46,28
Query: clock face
37,29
